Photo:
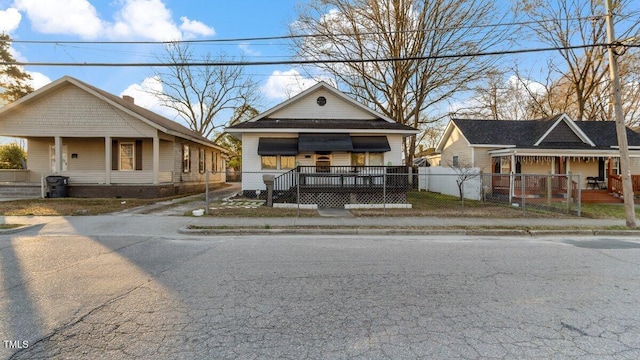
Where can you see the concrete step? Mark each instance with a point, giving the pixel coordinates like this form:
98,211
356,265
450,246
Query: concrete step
600,197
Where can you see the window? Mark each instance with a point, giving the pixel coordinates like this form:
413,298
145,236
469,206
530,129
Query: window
214,161
52,158
269,162
456,161
287,162
376,159
127,156
186,158
505,165
358,159
201,161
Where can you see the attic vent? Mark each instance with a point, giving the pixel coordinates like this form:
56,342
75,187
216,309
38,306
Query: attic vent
321,100
128,99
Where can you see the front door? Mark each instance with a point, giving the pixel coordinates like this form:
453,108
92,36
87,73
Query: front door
323,163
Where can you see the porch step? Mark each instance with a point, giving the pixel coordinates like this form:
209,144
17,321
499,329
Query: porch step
19,191
599,197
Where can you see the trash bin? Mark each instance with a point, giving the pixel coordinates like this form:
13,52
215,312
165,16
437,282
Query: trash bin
57,186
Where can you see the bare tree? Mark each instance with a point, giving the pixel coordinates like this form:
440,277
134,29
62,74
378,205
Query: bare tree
503,97
230,142
202,95
465,172
400,43
582,72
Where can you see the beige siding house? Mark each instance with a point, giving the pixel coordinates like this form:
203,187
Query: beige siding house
106,145
319,130
555,145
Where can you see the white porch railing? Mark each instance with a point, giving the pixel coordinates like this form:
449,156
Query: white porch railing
117,177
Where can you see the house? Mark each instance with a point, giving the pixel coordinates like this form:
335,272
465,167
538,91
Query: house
106,145
555,145
333,141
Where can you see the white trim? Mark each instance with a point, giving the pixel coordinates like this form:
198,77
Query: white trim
329,88
294,131
447,133
563,152
572,125
493,146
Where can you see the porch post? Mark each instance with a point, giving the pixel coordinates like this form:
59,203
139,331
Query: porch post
58,154
107,160
156,159
609,172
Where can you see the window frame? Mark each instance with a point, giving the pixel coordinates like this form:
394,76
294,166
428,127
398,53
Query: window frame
121,144
186,158
275,163
201,161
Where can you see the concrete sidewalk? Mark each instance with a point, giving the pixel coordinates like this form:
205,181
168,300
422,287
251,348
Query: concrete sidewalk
136,224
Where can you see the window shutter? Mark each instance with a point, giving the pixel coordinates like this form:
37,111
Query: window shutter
138,154
115,155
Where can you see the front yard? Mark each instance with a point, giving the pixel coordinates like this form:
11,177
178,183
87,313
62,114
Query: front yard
423,204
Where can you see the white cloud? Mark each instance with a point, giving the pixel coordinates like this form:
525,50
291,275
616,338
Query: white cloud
145,18
38,80
143,96
533,86
70,17
248,51
136,19
283,85
9,20
194,28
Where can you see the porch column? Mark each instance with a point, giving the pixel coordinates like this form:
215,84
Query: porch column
107,160
58,155
156,159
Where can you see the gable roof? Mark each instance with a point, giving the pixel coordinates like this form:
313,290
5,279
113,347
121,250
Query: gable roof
268,120
147,116
557,132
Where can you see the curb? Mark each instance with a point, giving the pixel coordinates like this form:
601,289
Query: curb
18,229
401,231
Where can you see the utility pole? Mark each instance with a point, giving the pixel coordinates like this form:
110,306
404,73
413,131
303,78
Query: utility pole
621,130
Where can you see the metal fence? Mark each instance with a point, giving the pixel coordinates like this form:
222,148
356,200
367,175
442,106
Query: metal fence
395,187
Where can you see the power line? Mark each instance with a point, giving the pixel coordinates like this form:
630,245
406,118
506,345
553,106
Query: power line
304,62
290,37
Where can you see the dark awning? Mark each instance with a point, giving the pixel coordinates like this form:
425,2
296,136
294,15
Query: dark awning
278,146
370,143
324,142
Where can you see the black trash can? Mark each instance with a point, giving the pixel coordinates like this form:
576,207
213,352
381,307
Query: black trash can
57,186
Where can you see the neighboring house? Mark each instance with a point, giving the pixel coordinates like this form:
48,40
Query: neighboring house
328,137
106,145
556,145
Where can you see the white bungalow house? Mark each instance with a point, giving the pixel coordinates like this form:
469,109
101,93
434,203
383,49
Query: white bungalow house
333,141
106,145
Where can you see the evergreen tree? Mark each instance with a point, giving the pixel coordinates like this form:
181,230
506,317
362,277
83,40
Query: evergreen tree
14,81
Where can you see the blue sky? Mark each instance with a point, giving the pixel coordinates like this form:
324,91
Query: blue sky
147,20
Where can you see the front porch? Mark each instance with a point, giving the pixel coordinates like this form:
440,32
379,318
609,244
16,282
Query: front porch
336,186
592,175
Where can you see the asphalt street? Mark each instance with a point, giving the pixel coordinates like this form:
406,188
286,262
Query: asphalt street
74,290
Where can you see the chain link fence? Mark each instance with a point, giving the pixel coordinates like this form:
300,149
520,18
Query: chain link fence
389,187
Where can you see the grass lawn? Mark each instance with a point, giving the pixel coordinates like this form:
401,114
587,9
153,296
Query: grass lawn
426,203
423,204
605,211
68,206
9,226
